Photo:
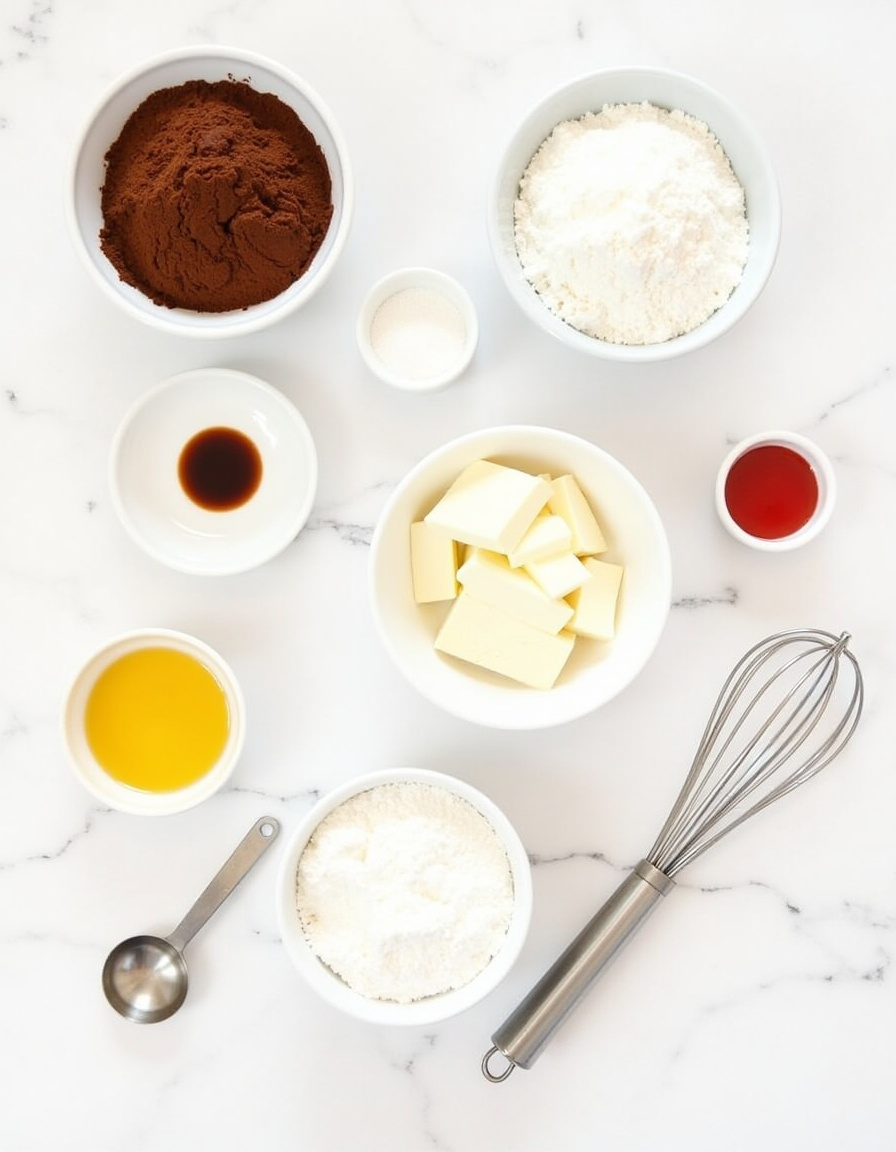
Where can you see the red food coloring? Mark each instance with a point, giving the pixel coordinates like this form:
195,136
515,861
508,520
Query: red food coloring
771,491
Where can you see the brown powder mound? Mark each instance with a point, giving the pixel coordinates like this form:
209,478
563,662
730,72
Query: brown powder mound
216,197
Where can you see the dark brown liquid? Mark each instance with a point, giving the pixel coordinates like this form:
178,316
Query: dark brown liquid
219,469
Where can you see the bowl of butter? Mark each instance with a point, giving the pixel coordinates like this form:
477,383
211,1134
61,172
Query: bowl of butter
520,577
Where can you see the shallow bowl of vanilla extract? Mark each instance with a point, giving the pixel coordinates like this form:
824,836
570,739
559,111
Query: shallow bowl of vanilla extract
669,92
213,472
266,247
415,897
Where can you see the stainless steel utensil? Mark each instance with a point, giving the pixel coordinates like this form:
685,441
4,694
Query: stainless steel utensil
145,977
782,697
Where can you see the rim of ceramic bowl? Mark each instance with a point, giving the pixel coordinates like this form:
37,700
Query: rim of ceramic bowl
331,987
742,144
407,631
825,478
191,539
93,776
86,164
400,280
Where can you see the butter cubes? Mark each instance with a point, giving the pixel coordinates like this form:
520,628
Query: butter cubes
433,564
529,581
489,577
490,506
546,536
594,601
568,500
483,634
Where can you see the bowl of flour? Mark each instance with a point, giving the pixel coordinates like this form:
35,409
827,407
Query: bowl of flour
404,896
635,215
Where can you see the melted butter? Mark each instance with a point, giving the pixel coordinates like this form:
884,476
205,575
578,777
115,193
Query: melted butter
157,719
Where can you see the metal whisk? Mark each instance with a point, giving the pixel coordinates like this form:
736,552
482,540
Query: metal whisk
784,696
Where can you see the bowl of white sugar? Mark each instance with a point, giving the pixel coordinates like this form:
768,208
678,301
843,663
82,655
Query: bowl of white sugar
417,329
404,897
635,215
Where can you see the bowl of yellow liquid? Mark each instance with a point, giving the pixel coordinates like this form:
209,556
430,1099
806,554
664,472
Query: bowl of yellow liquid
154,722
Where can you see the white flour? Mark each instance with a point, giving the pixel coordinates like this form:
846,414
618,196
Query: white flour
631,224
405,891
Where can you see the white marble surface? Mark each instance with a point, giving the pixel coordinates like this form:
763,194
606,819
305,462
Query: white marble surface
757,1011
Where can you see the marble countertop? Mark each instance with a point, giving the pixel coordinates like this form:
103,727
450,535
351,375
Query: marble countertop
757,1010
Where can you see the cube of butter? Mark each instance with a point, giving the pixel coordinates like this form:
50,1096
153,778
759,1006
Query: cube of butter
595,601
489,577
568,500
490,505
433,564
558,575
547,535
490,638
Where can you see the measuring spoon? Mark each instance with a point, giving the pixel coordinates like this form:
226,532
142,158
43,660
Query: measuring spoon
145,977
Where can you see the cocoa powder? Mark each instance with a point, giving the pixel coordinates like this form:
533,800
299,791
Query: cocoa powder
216,197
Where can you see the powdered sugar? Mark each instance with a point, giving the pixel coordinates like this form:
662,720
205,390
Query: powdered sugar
631,223
405,891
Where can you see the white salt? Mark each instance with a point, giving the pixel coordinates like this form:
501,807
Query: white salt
418,335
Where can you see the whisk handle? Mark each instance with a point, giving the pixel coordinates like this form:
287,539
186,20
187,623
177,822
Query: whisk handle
525,1033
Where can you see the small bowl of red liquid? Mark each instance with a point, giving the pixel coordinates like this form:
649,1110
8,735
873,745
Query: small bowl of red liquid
775,491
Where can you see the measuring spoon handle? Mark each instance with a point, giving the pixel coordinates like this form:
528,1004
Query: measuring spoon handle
249,850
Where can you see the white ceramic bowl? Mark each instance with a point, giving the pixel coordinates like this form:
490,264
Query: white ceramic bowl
666,89
91,773
87,175
595,672
413,348
825,484
154,507
433,1008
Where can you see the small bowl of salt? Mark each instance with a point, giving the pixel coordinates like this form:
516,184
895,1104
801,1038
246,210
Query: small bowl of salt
417,329
404,897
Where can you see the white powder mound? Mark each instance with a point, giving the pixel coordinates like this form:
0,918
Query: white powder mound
631,224
405,891
418,334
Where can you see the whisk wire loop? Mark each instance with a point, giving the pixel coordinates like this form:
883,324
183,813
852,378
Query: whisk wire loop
748,740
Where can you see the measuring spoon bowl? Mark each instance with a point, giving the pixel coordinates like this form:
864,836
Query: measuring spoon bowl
145,978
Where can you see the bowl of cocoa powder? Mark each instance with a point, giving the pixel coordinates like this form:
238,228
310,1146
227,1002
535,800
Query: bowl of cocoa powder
210,192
